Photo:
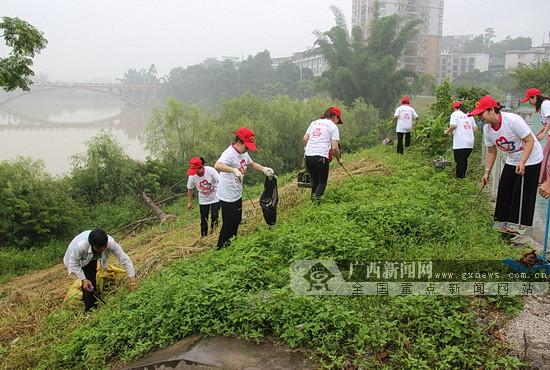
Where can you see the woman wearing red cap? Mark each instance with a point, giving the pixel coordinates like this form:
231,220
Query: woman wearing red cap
509,133
542,106
321,140
205,179
404,115
463,128
232,165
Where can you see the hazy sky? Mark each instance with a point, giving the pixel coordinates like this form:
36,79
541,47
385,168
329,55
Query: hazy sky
103,38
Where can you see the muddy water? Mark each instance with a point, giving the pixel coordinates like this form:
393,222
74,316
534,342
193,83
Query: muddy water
197,352
54,126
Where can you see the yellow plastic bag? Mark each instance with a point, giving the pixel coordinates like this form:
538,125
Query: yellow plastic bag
74,294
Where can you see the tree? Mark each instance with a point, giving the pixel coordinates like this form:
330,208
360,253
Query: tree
181,131
425,84
499,49
34,207
104,173
25,41
475,45
498,83
141,77
527,76
255,72
367,69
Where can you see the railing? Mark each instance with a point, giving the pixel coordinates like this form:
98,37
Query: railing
496,171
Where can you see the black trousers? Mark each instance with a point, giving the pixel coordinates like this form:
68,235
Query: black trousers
400,141
461,159
318,169
90,271
214,210
508,197
232,213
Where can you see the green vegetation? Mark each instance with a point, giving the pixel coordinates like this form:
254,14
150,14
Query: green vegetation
484,44
210,84
414,213
103,187
14,261
528,76
367,69
429,133
33,205
180,131
25,41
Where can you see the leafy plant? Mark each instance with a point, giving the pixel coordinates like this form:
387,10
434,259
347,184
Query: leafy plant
25,41
34,207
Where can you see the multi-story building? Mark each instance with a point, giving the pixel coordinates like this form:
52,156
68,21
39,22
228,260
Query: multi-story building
453,65
532,56
312,59
211,61
422,52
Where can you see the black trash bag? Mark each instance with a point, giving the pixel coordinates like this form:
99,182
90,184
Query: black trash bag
269,200
304,179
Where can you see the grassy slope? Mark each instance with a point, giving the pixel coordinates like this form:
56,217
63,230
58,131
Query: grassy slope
400,209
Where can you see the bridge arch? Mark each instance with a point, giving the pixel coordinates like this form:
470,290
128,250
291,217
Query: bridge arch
116,91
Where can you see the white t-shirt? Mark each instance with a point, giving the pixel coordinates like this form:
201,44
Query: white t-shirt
79,254
508,139
545,112
321,132
463,134
207,185
405,114
229,188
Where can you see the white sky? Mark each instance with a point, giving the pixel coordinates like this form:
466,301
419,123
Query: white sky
103,38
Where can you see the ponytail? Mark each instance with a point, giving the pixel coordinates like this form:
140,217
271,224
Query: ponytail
540,99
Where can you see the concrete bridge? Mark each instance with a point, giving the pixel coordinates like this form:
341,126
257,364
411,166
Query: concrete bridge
136,95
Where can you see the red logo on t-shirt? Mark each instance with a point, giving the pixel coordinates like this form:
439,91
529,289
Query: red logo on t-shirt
317,132
507,146
243,166
204,185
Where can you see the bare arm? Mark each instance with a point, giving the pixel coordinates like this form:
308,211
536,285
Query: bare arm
541,134
189,198
529,144
256,167
450,129
335,149
306,139
222,167
489,162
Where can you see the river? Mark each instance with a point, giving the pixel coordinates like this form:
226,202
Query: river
53,126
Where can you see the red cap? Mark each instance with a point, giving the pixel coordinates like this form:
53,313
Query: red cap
247,136
483,104
195,164
338,112
405,100
456,104
530,93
